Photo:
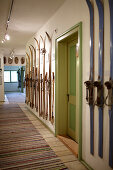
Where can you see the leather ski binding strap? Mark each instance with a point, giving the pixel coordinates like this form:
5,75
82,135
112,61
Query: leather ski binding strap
109,85
100,98
30,82
48,85
89,92
43,51
34,84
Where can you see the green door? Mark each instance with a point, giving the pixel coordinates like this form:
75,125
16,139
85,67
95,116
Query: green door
72,115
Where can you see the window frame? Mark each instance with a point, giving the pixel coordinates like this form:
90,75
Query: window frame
10,76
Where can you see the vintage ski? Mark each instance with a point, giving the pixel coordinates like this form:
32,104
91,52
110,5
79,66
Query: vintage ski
43,51
36,102
28,77
34,77
31,79
26,81
89,83
38,87
41,95
49,80
53,78
99,83
46,82
109,85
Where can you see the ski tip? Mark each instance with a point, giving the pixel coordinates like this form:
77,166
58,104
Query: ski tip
30,48
33,47
38,42
35,39
28,55
99,4
41,38
48,36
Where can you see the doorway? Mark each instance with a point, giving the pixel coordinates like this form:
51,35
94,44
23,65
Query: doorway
68,84
14,77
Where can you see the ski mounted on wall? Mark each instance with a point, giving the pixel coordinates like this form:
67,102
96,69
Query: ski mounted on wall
99,83
41,102
34,76
109,85
28,78
38,86
49,80
46,84
53,81
36,83
31,79
89,83
43,51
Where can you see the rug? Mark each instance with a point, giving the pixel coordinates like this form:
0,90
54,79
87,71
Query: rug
21,145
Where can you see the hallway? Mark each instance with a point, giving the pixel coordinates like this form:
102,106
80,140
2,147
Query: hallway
15,97
27,144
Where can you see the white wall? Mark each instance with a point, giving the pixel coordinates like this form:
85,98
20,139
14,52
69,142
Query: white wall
2,75
71,13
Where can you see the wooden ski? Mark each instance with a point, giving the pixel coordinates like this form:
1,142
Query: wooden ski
89,83
36,83
41,95
111,77
109,85
53,78
26,81
38,86
99,83
49,80
43,51
28,78
31,78
35,77
46,81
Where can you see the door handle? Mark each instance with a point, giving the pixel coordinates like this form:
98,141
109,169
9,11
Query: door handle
68,97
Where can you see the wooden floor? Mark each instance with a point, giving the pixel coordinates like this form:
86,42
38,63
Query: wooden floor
67,157
71,144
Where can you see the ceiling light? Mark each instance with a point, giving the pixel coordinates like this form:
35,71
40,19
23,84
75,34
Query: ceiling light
7,37
3,41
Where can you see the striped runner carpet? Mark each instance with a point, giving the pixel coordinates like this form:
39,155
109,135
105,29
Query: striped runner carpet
21,145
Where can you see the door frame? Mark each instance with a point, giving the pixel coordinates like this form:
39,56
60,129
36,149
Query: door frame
61,86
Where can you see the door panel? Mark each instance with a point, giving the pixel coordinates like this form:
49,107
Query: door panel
72,90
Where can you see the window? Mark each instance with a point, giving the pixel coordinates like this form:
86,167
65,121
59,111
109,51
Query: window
10,76
14,76
6,76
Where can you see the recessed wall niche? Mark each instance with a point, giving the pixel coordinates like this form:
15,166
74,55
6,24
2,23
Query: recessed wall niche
16,60
10,60
5,60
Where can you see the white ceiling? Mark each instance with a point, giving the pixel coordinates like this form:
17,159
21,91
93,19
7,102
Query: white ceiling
27,17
